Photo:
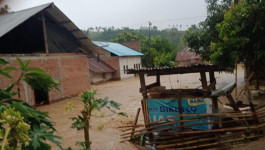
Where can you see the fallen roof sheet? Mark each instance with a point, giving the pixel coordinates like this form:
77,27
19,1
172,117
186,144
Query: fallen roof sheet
99,66
117,49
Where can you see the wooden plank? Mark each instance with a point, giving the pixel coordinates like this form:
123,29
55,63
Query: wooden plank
44,33
135,121
232,103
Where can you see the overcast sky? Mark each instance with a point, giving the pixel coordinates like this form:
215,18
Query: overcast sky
124,13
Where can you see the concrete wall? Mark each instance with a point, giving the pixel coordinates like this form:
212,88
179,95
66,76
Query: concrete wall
128,63
70,70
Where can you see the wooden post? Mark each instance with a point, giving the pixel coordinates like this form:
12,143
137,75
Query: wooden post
143,90
180,109
158,79
44,34
204,83
236,79
214,99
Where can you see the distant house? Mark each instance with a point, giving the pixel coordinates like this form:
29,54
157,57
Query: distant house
187,57
120,57
48,38
100,71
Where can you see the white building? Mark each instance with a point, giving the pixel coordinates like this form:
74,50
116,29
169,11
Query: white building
119,57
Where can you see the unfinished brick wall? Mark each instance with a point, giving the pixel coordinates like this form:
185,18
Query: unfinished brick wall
136,45
113,62
70,70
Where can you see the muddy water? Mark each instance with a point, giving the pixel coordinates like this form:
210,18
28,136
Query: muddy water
127,93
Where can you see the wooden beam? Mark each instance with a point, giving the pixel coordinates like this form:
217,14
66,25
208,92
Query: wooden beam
44,33
232,102
151,85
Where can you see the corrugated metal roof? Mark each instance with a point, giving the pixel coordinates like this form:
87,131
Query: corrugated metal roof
175,70
11,20
99,66
187,54
117,49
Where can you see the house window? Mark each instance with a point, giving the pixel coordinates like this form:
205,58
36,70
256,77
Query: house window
124,68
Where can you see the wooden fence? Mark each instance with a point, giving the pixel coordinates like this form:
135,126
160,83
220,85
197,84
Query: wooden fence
225,130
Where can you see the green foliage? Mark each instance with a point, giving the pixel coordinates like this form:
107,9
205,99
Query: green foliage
233,31
91,104
40,127
161,52
200,37
78,122
173,35
241,35
36,77
14,128
127,37
42,134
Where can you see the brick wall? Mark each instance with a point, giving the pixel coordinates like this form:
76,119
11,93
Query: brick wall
113,62
70,70
133,45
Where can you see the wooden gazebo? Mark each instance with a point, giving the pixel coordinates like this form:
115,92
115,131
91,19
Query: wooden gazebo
180,128
177,93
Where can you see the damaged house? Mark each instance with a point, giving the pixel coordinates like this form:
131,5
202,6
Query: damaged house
47,37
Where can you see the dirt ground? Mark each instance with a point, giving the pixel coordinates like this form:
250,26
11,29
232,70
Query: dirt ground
126,92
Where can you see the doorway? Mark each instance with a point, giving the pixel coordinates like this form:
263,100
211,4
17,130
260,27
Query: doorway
41,97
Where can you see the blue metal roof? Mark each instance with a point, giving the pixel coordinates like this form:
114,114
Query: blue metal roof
117,49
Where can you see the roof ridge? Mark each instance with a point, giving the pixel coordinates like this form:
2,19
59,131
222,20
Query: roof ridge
48,4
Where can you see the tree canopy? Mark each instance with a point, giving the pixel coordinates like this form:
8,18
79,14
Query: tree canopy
241,35
233,31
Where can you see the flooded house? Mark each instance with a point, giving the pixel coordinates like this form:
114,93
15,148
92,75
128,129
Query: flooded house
47,37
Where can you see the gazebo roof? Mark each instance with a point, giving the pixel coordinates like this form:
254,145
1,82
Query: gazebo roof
176,70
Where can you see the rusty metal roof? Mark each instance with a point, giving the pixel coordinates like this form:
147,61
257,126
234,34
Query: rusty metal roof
176,70
99,66
187,54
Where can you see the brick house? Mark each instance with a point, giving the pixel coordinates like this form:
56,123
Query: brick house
100,71
119,57
187,57
48,38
